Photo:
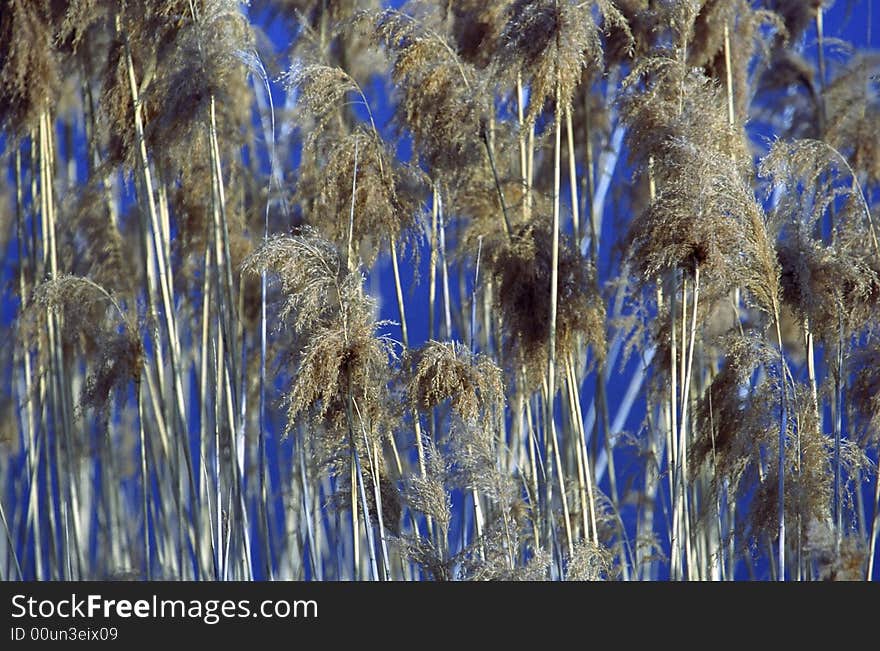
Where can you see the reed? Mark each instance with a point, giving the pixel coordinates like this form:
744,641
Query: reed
521,290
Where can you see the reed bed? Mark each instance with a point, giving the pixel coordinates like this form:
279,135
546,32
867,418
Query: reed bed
516,290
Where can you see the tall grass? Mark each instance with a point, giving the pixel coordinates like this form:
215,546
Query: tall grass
532,289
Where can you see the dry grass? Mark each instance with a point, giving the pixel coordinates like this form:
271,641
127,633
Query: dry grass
636,341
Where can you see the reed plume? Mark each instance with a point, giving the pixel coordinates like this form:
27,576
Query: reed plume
522,272
645,345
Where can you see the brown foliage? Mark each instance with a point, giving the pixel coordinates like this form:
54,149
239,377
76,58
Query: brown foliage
339,367
550,43
442,99
91,325
29,63
522,270
387,195
447,371
833,284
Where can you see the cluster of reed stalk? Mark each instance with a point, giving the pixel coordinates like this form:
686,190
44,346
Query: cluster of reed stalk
449,290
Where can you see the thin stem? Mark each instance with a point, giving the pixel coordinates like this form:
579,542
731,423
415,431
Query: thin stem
11,543
473,328
523,156
572,178
683,446
838,427
351,263
674,452
432,272
551,357
875,530
783,429
447,310
368,524
31,440
728,77
398,289
505,219
145,477
585,480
